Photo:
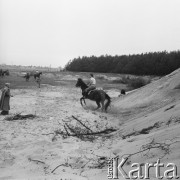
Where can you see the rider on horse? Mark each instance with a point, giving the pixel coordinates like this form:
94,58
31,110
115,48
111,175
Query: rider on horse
96,95
91,84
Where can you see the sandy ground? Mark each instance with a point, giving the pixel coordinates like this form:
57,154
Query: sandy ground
29,150
23,140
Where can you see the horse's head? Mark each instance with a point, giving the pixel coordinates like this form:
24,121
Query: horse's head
79,82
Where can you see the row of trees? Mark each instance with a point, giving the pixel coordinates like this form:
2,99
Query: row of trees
155,63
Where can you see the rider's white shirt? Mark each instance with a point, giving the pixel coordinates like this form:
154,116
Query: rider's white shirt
92,81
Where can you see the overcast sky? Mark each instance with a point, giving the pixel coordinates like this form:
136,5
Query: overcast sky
51,32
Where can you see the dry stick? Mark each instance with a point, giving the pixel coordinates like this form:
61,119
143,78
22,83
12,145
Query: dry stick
106,131
56,168
156,145
82,167
82,123
36,160
66,130
66,165
72,130
85,164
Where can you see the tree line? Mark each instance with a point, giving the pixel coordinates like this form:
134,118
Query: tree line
153,63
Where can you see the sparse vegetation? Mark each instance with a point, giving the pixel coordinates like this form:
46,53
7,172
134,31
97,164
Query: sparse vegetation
18,116
138,82
81,131
133,83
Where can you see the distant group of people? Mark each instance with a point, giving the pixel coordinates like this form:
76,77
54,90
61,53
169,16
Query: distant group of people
37,77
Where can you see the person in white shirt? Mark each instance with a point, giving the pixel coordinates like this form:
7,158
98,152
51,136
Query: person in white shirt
91,84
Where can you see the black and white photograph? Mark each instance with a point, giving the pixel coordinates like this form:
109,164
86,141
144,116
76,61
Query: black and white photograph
89,89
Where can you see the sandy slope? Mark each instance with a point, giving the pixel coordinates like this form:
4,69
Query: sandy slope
27,150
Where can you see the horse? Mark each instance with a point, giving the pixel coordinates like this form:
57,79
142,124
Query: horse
4,72
37,75
95,95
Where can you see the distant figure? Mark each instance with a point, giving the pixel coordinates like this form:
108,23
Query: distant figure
5,98
123,92
91,85
38,80
27,76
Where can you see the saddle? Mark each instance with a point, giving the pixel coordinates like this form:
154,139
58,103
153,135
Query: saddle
91,91
88,93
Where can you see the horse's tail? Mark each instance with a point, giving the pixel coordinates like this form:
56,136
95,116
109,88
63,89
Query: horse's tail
108,102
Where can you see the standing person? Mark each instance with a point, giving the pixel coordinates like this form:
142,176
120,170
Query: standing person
27,76
38,80
91,84
5,98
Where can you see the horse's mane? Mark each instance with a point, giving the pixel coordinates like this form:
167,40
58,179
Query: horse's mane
80,79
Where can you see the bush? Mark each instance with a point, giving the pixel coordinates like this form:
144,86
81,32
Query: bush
118,81
123,80
138,82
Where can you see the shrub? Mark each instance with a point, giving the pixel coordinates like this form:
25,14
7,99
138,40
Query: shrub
123,80
118,81
138,82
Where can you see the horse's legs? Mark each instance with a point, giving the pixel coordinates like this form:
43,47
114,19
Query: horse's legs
98,103
102,108
82,98
84,101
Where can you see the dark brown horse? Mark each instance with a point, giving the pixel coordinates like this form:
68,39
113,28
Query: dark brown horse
37,75
96,95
